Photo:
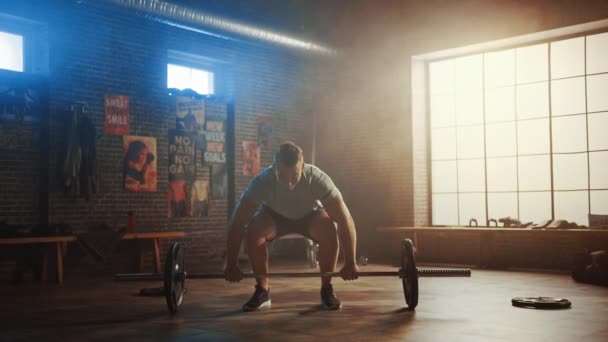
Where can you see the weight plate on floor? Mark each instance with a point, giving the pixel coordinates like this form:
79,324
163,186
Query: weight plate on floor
173,277
410,274
541,302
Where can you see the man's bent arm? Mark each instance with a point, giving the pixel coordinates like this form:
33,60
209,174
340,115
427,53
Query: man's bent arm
242,215
337,210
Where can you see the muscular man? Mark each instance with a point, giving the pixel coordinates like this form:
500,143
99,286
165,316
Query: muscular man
291,197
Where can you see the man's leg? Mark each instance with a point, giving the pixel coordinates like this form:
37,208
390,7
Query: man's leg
323,230
261,229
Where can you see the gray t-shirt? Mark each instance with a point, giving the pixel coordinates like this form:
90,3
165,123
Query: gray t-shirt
314,186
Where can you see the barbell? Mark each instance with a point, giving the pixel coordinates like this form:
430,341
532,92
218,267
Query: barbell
175,275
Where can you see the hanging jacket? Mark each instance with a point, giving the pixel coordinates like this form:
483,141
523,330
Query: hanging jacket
80,162
88,167
72,158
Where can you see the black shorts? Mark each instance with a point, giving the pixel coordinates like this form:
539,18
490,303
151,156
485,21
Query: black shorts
287,226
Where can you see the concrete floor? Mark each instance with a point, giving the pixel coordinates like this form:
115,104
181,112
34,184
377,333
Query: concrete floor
450,309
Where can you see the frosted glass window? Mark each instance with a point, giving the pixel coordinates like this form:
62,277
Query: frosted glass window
532,100
469,107
443,145
533,136
11,57
570,134
570,171
442,111
470,142
499,68
177,76
568,58
597,100
502,205
444,176
572,206
598,167
472,206
471,175
568,96
182,77
445,209
202,81
534,173
597,53
441,76
500,104
501,140
598,128
502,174
534,206
469,73
599,202
491,131
532,63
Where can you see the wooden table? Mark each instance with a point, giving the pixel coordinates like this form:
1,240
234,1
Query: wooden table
154,236
60,250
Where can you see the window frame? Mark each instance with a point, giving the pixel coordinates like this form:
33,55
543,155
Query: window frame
423,63
35,43
200,62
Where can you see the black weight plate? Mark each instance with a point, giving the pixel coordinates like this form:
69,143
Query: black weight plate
541,302
174,284
410,272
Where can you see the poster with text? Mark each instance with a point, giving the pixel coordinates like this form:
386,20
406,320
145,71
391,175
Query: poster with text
177,195
117,117
181,155
219,182
215,137
139,163
264,124
251,158
189,114
199,198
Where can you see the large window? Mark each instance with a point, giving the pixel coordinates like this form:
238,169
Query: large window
521,132
11,51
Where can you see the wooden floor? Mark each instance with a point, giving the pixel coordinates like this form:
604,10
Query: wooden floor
450,309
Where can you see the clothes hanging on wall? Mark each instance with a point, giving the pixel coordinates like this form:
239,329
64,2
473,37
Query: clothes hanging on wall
80,157
88,174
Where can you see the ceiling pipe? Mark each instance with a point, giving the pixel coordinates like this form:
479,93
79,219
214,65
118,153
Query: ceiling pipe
200,21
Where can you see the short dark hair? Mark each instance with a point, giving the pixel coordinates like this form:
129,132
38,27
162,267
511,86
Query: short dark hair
134,148
289,154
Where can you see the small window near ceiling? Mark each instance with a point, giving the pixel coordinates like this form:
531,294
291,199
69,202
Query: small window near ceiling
11,47
183,77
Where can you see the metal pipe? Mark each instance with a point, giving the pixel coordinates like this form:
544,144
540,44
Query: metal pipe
200,21
288,275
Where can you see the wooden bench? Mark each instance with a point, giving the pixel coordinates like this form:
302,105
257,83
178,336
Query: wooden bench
498,247
154,236
60,250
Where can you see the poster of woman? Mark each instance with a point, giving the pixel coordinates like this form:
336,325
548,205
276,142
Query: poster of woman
139,163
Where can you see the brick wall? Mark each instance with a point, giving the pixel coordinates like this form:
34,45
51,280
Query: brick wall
19,157
98,50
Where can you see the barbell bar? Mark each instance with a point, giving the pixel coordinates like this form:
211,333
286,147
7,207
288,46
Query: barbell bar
421,273
175,275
